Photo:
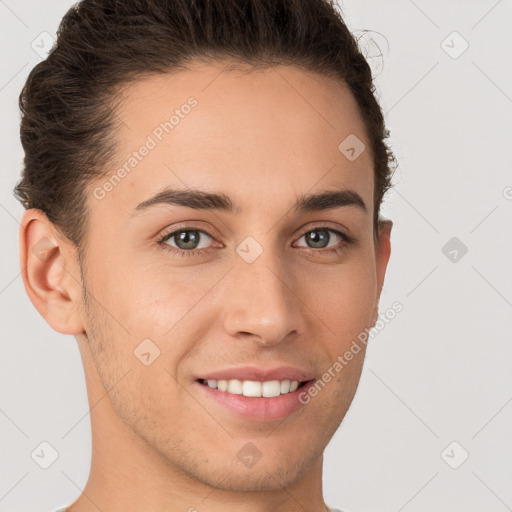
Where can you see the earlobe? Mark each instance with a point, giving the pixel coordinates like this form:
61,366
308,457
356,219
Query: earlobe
49,271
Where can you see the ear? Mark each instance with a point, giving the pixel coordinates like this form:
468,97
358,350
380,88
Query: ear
382,254
51,273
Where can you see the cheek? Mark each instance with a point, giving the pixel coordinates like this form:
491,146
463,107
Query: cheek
154,300
343,297
170,307
165,302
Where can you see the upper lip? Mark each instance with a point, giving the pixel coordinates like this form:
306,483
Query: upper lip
258,373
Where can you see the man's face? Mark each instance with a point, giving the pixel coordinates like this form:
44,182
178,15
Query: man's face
266,286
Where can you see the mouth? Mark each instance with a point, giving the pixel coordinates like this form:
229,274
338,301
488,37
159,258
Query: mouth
256,401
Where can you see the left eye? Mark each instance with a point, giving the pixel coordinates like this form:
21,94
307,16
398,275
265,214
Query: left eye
319,236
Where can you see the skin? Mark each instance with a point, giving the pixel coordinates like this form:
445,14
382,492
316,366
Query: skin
262,138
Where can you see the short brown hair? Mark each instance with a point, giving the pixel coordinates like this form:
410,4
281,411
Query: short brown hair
68,101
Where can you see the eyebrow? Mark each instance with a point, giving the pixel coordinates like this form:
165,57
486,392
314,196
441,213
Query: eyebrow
202,200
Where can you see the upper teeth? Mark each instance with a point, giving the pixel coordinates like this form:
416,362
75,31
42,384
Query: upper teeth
254,388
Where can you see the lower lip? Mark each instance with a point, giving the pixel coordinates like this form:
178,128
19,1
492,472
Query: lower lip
258,408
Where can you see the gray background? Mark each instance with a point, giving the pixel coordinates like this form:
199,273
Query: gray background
439,372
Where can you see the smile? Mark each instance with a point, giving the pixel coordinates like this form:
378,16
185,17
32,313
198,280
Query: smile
255,400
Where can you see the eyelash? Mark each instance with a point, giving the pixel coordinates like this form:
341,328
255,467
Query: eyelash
346,241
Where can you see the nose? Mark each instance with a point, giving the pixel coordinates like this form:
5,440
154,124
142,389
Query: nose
261,300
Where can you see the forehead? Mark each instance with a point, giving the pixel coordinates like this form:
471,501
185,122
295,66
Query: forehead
269,133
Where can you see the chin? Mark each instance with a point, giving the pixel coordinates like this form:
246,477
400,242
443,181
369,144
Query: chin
254,479
274,469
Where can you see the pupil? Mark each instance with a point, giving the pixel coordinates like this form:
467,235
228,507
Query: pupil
190,239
